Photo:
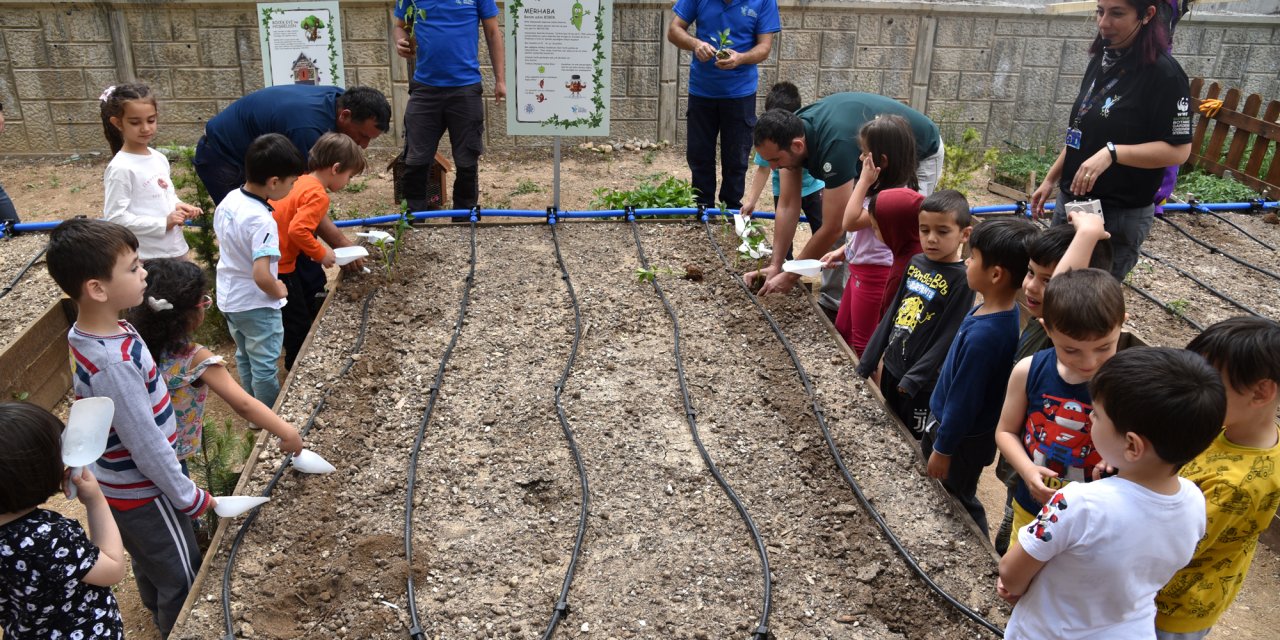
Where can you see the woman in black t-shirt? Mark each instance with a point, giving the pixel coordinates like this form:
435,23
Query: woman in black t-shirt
1131,119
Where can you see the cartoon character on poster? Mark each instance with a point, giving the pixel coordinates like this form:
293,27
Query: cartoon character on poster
575,85
578,14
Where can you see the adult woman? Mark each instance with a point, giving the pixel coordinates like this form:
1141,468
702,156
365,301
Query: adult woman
1131,119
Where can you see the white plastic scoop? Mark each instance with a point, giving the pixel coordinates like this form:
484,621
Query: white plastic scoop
803,267
347,255
85,437
232,506
377,237
308,461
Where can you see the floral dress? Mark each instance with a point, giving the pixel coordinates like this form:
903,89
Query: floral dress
187,393
44,558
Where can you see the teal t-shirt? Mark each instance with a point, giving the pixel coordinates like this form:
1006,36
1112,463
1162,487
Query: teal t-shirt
808,184
831,128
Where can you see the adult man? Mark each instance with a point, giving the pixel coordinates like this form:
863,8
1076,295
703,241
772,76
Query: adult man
722,87
446,92
823,138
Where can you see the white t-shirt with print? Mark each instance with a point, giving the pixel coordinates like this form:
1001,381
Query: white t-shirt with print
246,231
140,196
1109,546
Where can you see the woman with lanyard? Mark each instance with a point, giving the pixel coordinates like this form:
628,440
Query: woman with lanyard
1131,120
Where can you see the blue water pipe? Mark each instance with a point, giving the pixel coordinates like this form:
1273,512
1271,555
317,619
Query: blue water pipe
1020,208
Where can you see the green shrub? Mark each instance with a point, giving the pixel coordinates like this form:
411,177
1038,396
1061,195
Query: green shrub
964,157
1015,166
1206,187
649,194
218,464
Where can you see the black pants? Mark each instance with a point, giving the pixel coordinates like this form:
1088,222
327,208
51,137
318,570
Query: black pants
219,178
305,284
732,119
430,113
162,549
912,410
967,462
811,207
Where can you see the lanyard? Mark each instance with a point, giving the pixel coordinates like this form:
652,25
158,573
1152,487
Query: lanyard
1088,103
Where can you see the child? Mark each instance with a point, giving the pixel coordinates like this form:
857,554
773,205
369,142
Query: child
139,191
54,581
175,307
1236,474
932,301
888,163
334,159
959,440
249,294
1044,429
1091,563
96,263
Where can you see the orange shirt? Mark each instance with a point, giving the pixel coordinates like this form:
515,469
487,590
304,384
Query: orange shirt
297,216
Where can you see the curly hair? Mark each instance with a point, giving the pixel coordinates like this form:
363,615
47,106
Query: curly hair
181,284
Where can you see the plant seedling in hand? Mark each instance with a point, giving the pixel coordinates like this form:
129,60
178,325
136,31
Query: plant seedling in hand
722,43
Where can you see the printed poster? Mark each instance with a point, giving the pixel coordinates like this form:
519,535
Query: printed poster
558,59
301,43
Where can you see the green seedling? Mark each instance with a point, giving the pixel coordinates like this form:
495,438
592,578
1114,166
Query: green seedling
722,48
357,187
689,272
1180,306
526,186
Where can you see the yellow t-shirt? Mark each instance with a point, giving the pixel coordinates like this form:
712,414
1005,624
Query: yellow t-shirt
1241,487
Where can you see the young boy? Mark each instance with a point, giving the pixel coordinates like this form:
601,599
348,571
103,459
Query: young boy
1236,474
959,440
932,301
249,294
1044,429
1091,563
334,159
96,263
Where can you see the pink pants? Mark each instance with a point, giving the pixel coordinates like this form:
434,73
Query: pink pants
860,305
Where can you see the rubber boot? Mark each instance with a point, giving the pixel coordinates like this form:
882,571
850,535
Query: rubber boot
466,190
1006,530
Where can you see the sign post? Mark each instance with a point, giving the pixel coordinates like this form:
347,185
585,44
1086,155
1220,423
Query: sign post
301,43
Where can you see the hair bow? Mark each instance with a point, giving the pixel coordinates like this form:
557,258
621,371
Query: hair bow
106,93
159,304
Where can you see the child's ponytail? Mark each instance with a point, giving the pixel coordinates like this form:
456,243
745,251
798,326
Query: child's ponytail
890,136
111,105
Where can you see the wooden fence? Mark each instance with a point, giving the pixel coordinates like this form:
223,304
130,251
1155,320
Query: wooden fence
1247,133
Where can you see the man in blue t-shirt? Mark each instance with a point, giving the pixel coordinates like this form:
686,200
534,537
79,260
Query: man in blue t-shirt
441,36
722,87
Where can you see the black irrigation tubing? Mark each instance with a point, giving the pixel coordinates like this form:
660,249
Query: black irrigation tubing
9,287
415,625
271,485
1212,249
1207,286
562,603
1164,305
1237,228
762,629
835,451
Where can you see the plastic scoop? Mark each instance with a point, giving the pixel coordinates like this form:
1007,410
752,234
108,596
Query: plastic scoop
803,267
347,255
232,506
308,461
85,437
377,237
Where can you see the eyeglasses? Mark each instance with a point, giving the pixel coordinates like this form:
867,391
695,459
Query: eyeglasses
205,302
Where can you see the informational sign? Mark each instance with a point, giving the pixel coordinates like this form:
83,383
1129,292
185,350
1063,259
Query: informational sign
301,43
558,60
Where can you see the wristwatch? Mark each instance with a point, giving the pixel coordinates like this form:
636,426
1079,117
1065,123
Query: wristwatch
1111,146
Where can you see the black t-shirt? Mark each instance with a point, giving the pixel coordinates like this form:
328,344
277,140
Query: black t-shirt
44,558
1146,104
831,128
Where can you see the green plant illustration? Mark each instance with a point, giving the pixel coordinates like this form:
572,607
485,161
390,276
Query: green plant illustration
312,25
577,14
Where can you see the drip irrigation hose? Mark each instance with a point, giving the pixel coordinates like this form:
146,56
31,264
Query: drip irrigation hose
415,625
1223,296
23,272
271,485
1237,227
562,603
1212,249
762,629
835,451
1164,305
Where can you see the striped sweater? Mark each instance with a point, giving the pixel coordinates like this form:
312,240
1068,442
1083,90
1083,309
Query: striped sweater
139,463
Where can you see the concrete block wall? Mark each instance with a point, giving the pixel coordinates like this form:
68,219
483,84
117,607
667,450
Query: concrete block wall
1009,72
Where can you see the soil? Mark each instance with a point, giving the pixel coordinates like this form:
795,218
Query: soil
497,499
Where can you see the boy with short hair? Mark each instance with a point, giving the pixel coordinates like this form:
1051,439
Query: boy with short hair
1045,429
249,294
931,302
959,440
334,159
1092,562
96,263
1236,474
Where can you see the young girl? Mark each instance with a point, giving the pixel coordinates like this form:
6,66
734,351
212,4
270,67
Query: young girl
173,309
888,161
54,581
139,191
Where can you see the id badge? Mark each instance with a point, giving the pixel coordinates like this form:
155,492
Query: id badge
1073,137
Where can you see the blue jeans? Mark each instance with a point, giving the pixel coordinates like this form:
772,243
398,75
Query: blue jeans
259,334
732,119
7,211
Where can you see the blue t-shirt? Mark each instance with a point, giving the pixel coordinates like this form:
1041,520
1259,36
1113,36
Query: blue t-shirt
808,184
300,112
745,19
447,33
970,391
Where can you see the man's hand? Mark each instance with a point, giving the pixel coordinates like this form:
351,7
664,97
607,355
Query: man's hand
750,276
355,266
939,465
704,51
779,283
404,48
731,61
